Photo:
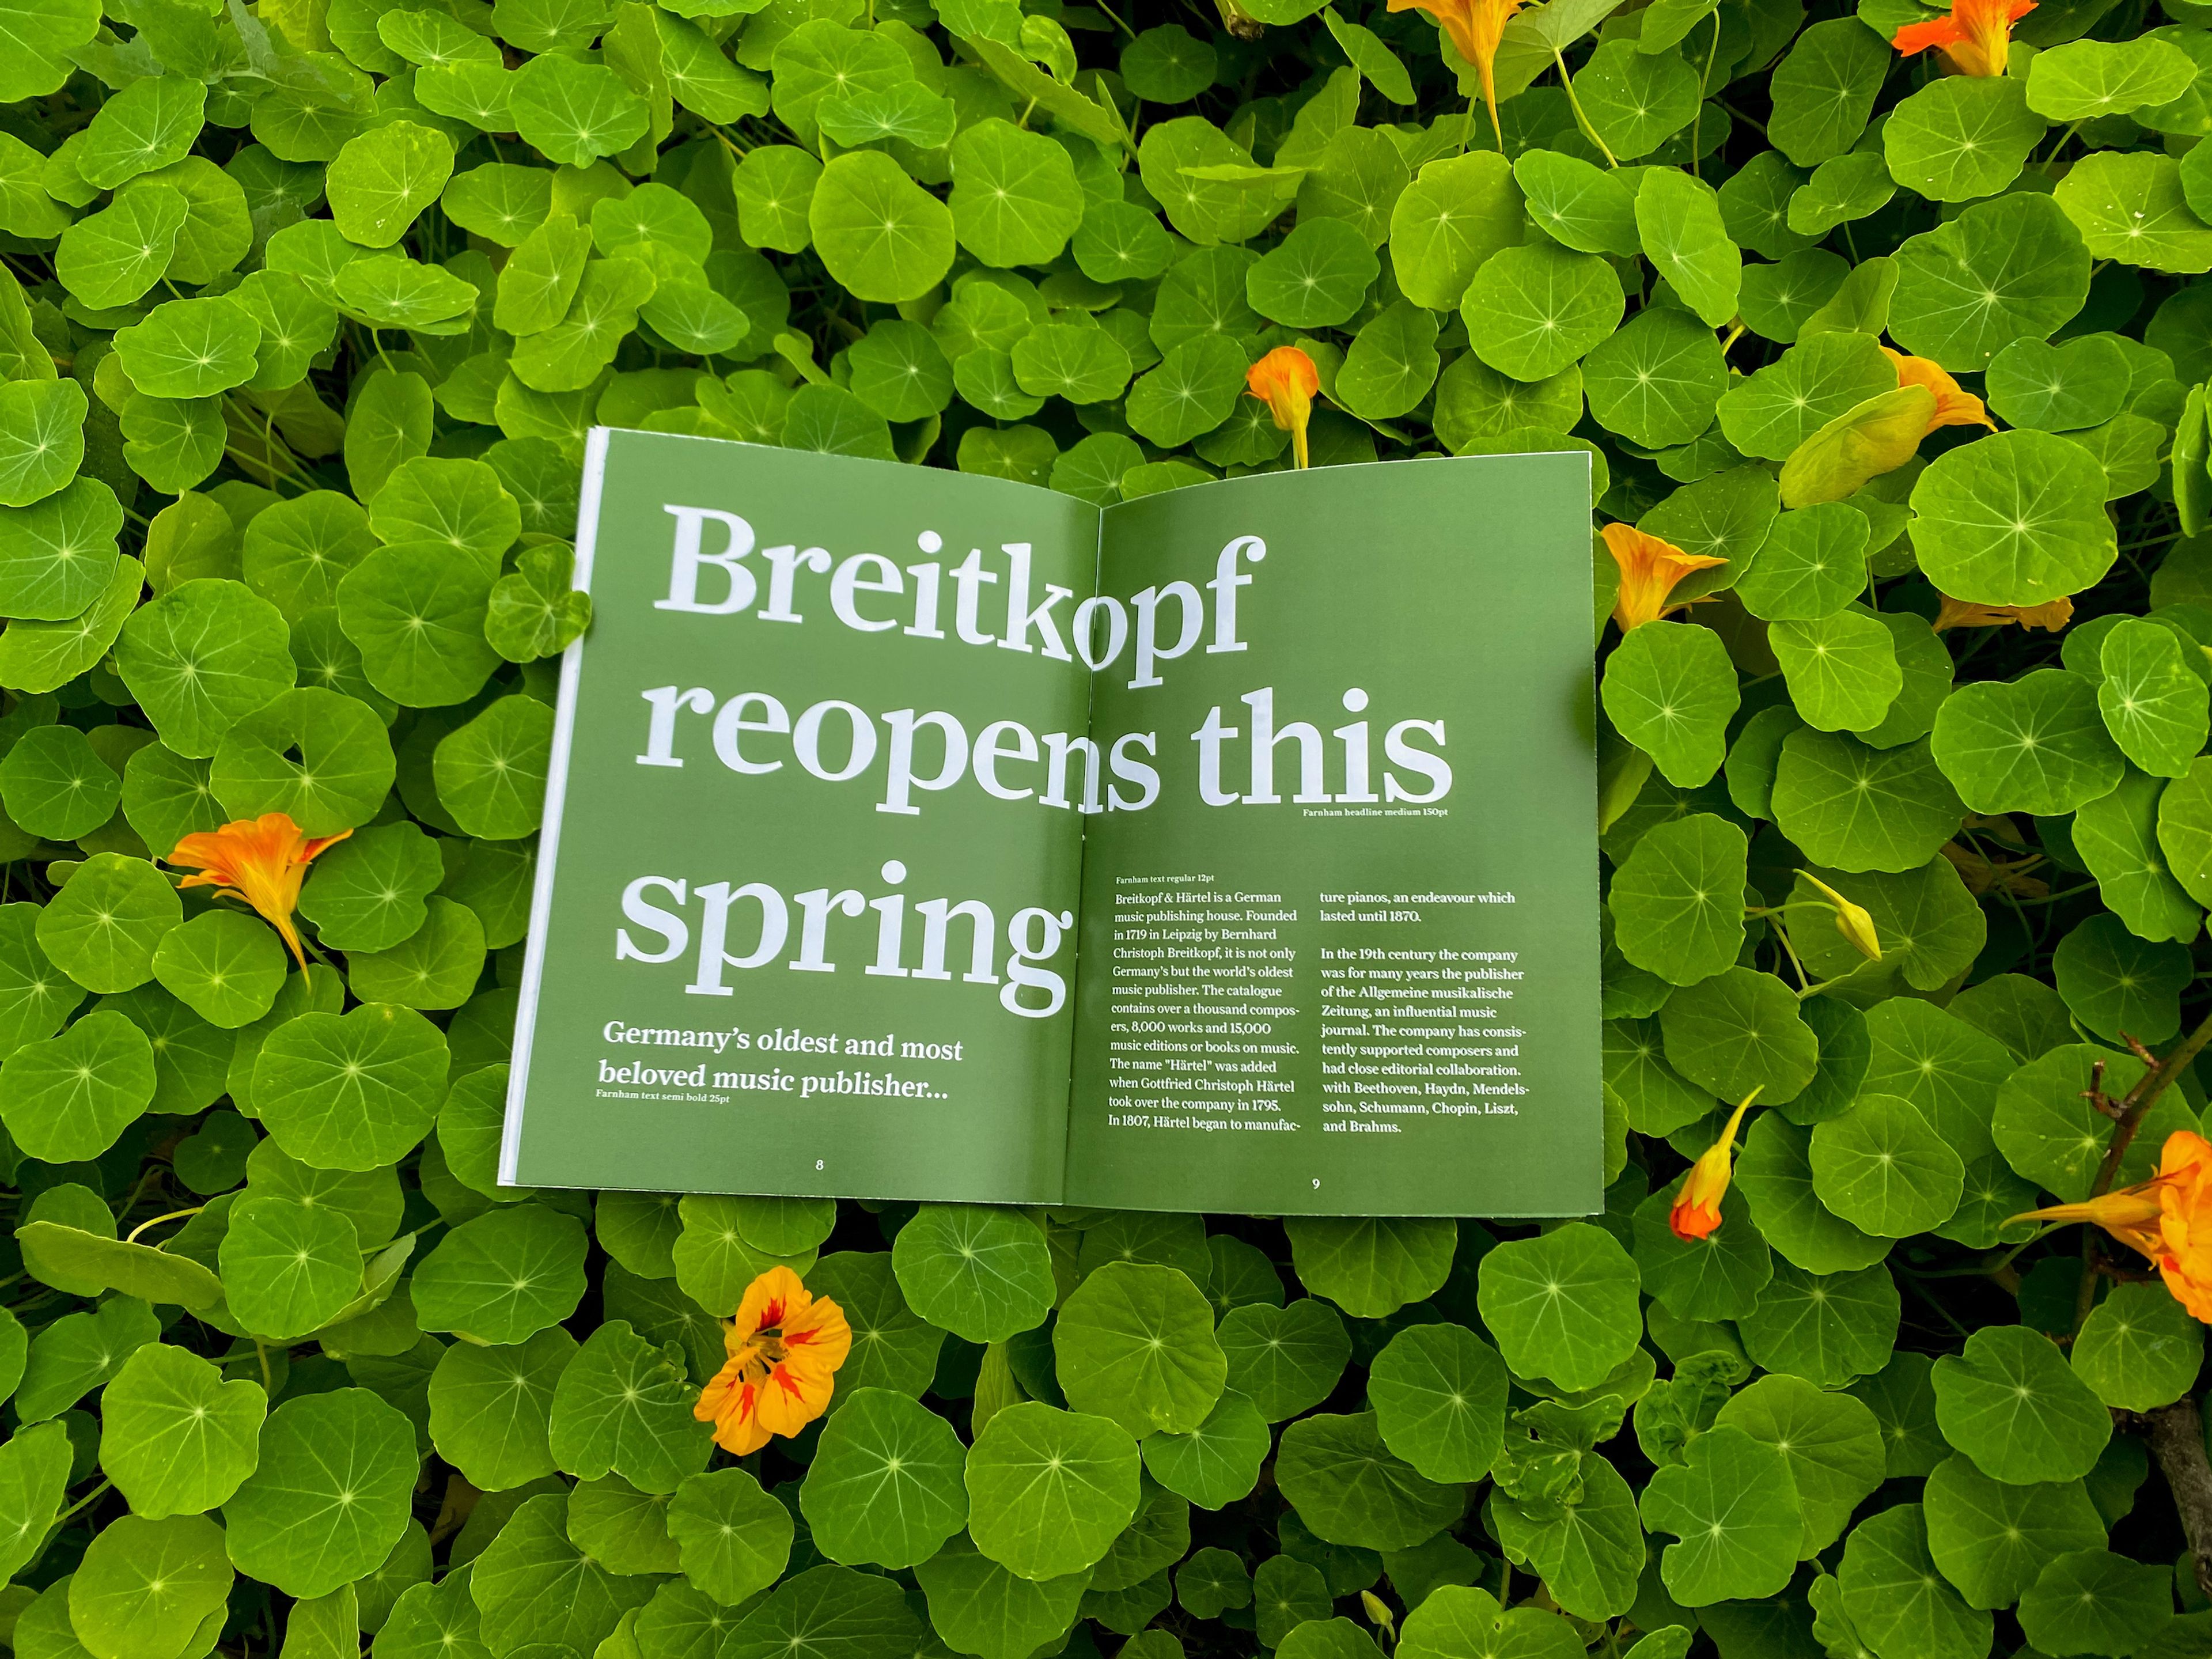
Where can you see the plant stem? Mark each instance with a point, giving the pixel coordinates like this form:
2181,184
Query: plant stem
2176,1434
2133,1106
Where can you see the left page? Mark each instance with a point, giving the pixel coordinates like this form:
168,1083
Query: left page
805,915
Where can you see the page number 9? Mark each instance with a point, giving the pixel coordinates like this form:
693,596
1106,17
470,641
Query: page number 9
1316,1184
817,1164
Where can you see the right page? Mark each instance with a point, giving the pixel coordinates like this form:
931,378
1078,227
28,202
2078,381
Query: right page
1340,928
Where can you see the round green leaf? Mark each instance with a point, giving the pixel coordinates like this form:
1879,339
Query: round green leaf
1732,1503
145,1587
886,1483
226,967
1134,1344
1348,1488
331,1495
1439,1398
2012,1404
980,1273
68,1097
502,1277
1562,1305
1048,1489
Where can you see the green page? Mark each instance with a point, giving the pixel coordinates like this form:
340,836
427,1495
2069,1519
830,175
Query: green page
859,762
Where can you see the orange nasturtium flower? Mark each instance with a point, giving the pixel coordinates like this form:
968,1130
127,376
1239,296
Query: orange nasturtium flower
2167,1218
785,1346
1954,405
262,860
2051,615
1976,37
1285,380
1649,570
1697,1212
1476,26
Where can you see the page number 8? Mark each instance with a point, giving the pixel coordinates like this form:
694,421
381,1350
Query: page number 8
817,1164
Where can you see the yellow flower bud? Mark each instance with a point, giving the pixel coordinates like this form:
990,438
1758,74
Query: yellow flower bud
1852,921
1378,1612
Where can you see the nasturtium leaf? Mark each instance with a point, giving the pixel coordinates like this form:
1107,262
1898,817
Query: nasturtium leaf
417,614
893,1347
225,966
1349,1489
1048,1489
330,1497
1733,1504
532,1585
289,1268
1961,137
1014,200
573,111
980,1273
37,657
2011,269
56,785
191,348
2132,207
886,1484
1454,215
382,181
1535,310
1854,807
69,1097
2064,388
2154,706
2050,1133
321,757
1777,408
491,773
1677,899
2115,983
436,966
1894,1595
58,556
1657,380
112,257
1826,1328
2092,1601
490,1406
504,1276
202,656
1737,1031
2081,80
622,1404
351,1091
145,1587
977,1607
1315,277
41,438
1135,1345
1680,225
1219,1462
1439,1397
881,235
1717,1277
1883,1167
1371,1266
2012,1404
366,893
34,1471
833,1611
2139,1349
1670,689
1990,1539
1841,670
1284,1360
1636,100
1562,1306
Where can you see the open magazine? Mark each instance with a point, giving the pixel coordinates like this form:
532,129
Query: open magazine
916,835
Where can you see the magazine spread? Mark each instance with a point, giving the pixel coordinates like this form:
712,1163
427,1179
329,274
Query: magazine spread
918,835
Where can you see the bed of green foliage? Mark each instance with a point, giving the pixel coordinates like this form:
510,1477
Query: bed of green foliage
312,304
